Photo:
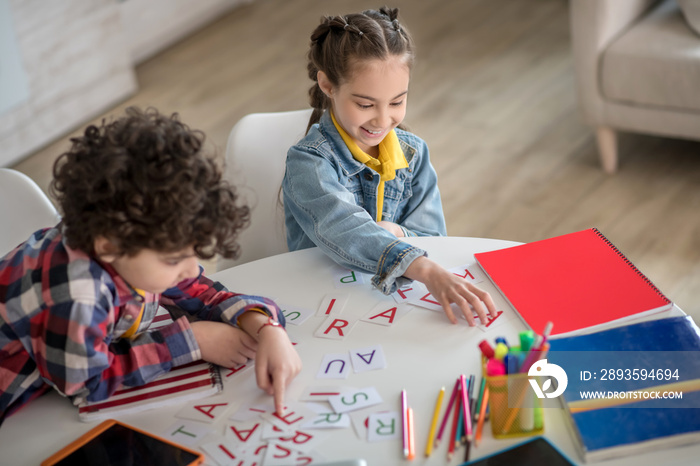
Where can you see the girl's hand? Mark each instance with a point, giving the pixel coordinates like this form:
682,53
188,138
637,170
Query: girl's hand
449,288
276,361
223,344
391,227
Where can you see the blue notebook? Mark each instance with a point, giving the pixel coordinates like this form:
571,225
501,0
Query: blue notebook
623,386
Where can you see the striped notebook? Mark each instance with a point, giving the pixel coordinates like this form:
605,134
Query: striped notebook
192,381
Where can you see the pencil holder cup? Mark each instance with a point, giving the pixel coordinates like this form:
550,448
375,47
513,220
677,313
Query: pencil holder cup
515,410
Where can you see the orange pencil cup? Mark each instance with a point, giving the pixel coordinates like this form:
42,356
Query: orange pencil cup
515,410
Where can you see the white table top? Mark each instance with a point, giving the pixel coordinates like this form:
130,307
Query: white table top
423,352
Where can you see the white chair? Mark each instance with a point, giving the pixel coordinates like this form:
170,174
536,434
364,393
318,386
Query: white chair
255,159
24,209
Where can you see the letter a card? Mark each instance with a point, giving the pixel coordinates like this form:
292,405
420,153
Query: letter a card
386,313
203,412
368,359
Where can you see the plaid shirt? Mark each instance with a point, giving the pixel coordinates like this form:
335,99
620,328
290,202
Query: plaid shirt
62,315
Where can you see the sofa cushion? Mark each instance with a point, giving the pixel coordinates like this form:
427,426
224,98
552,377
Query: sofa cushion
654,63
691,11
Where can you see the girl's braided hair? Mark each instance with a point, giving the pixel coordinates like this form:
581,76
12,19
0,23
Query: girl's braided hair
339,42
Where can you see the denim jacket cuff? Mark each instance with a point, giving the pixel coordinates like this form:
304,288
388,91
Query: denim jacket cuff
393,264
406,232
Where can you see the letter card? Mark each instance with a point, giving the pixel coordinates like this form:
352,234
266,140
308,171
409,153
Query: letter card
334,366
352,400
366,359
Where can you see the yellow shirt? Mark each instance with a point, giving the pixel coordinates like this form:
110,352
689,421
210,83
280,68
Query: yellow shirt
390,159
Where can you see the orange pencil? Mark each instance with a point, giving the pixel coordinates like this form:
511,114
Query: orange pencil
482,415
411,436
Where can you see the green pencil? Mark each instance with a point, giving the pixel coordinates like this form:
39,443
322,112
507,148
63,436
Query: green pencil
476,412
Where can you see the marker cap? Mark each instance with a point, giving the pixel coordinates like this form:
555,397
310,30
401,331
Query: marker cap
486,349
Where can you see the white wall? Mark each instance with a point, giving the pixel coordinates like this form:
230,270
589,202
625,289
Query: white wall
78,57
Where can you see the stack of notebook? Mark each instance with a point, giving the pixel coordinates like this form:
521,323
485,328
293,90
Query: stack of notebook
639,370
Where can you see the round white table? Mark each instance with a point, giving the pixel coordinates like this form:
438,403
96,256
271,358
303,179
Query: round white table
423,353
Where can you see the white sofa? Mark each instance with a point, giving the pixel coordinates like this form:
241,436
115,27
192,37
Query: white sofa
637,67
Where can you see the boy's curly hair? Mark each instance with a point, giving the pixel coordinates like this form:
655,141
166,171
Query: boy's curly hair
143,182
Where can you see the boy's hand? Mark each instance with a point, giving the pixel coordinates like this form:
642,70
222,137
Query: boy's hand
276,361
449,288
223,344
276,364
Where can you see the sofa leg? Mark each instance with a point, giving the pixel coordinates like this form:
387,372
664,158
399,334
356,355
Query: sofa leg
607,148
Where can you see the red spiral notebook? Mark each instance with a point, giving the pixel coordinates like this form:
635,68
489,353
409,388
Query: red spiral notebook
579,281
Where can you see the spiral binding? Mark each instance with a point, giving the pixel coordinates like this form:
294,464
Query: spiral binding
629,262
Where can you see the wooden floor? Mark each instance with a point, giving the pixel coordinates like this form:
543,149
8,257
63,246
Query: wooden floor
492,93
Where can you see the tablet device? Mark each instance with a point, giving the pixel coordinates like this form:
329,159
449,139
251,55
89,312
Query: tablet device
535,452
113,443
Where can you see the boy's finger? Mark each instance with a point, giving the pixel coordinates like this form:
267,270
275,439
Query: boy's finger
279,386
262,378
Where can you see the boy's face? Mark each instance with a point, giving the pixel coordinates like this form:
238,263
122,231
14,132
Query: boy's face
372,102
151,270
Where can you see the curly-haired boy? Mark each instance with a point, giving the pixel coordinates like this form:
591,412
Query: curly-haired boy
140,204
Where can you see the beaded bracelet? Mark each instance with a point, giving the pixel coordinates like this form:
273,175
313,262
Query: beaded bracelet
269,322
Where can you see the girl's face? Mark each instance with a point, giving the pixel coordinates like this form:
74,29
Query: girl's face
372,102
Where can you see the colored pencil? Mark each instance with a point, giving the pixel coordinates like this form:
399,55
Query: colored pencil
465,408
404,418
472,400
477,409
467,449
447,413
459,434
411,436
482,417
455,421
433,424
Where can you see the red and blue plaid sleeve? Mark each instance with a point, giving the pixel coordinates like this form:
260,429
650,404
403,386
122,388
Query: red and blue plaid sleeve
210,300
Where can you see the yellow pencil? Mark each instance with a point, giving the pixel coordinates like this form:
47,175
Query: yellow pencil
433,425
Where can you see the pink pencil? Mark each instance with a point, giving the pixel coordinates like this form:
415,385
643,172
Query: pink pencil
465,407
404,417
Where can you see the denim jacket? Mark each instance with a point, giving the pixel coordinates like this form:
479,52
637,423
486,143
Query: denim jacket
330,201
